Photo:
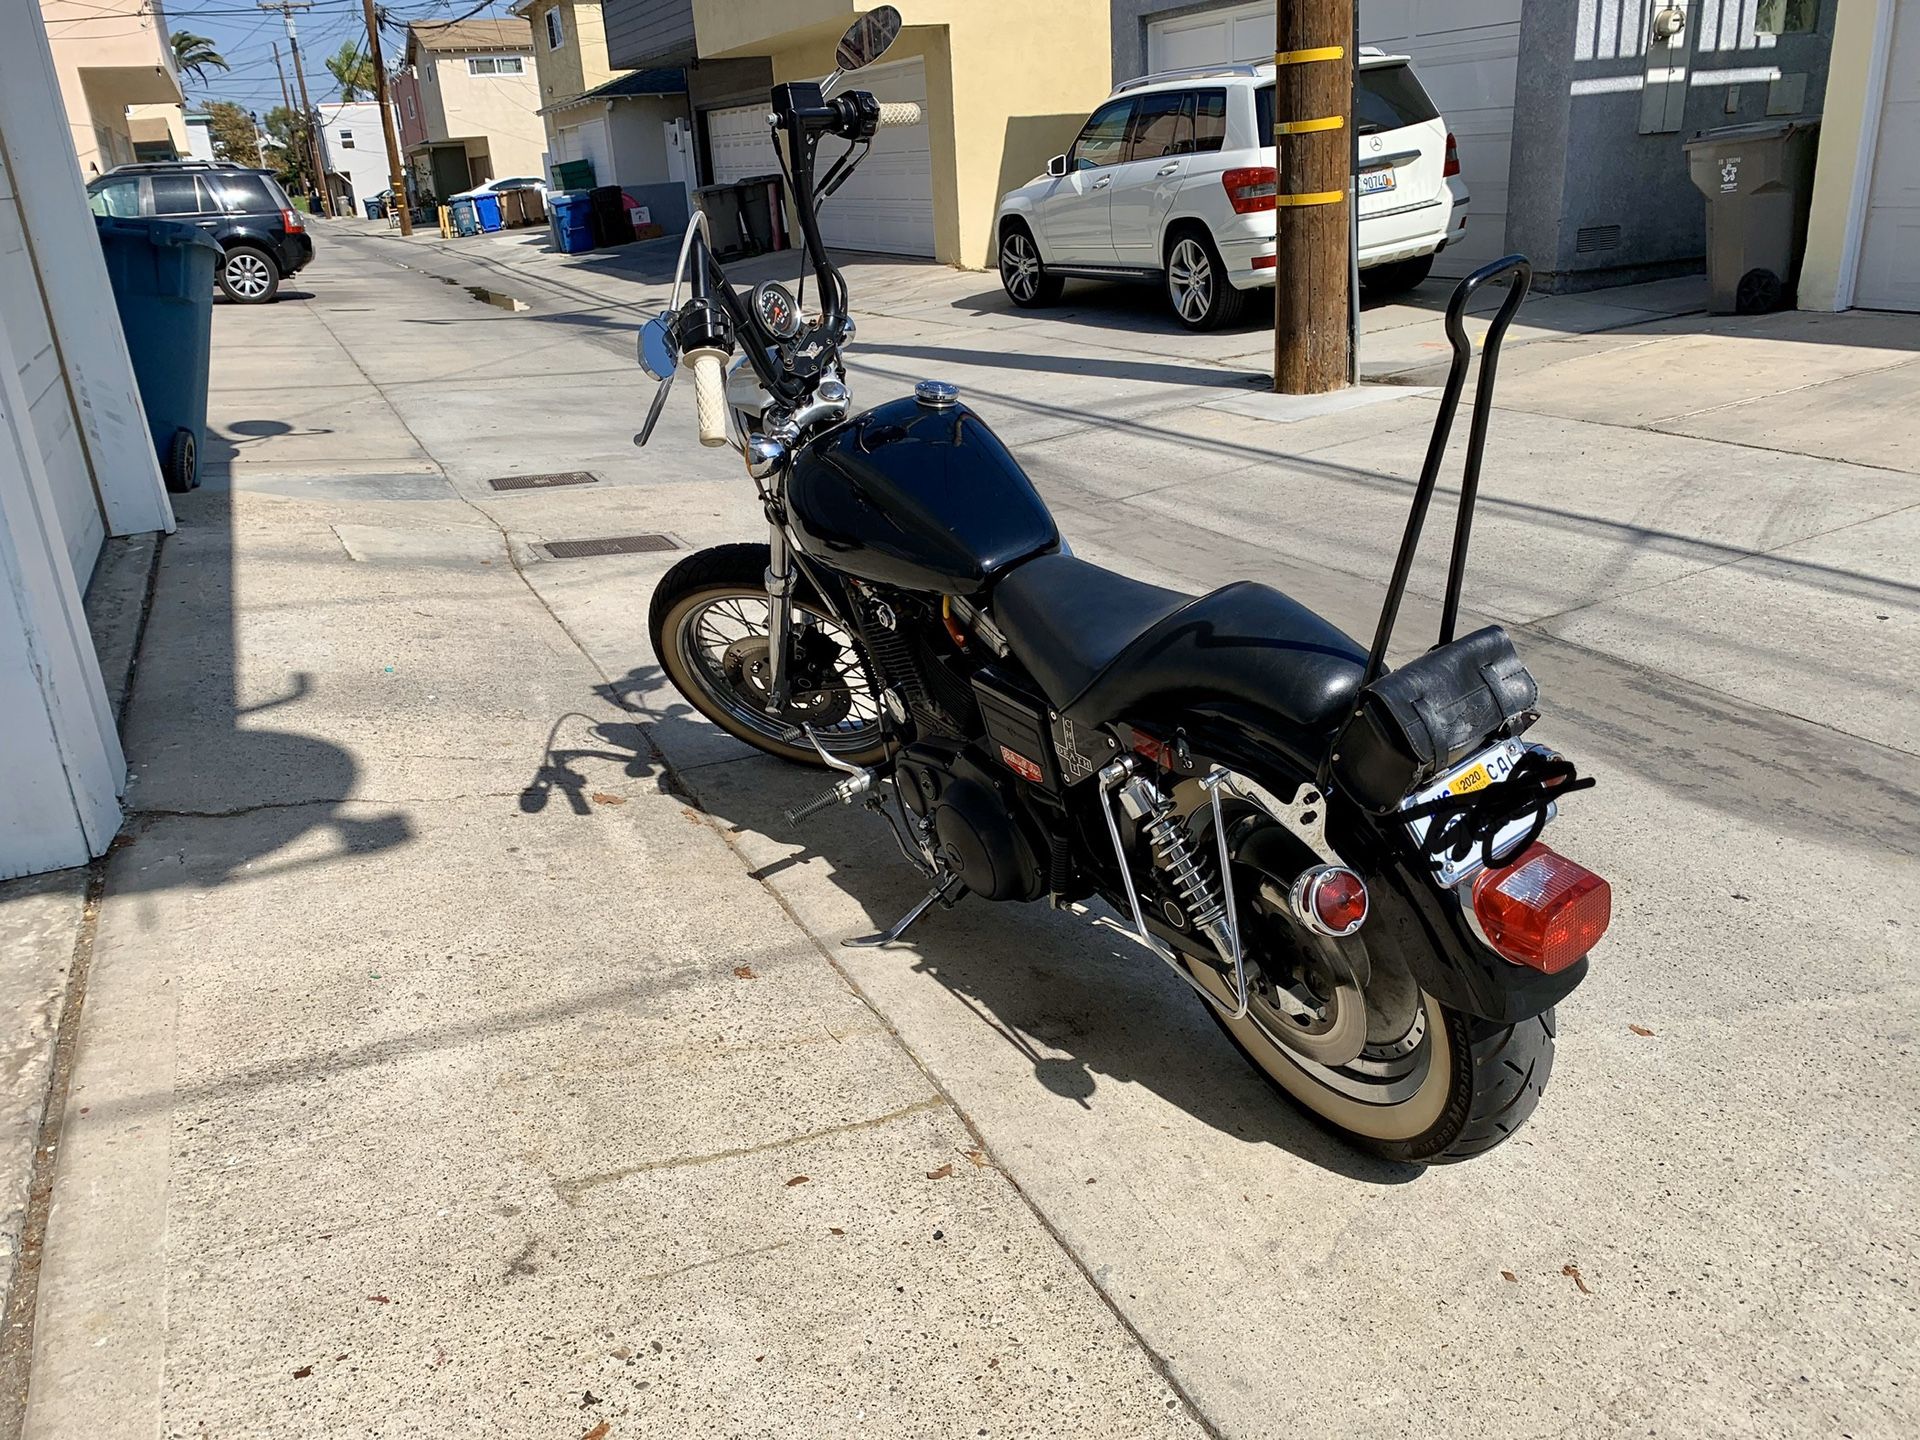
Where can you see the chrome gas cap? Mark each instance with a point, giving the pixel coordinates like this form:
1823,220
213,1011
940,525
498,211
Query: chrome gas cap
938,394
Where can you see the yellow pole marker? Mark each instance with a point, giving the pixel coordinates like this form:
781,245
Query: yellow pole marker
1307,127
1304,57
1315,197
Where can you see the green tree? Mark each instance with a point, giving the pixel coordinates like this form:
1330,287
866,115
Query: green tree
353,68
194,55
290,155
233,134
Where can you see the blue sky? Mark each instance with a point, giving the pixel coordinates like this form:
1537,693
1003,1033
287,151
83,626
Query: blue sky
245,35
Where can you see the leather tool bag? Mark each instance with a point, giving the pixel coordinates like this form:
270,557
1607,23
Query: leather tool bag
1415,723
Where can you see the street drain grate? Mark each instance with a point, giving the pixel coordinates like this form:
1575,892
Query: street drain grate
611,545
542,482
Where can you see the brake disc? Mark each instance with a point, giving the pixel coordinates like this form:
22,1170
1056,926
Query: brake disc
745,665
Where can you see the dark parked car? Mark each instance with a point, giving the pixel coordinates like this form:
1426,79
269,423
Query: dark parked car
244,210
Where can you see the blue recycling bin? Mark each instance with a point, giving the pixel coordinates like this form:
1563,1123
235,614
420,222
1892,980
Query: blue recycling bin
569,221
486,212
162,276
466,220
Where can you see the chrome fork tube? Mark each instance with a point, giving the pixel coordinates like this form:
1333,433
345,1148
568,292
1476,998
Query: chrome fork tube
779,620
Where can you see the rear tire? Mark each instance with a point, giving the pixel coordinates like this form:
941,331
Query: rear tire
1202,296
719,595
249,275
1397,278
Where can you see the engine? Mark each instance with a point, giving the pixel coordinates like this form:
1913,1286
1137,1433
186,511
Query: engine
980,829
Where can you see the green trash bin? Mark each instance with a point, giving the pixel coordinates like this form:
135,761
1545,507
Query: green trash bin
162,275
1758,180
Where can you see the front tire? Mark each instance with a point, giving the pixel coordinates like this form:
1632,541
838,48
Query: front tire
708,623
1023,275
249,275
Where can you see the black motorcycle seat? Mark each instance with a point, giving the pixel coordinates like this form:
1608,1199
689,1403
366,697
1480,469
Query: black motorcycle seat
1103,647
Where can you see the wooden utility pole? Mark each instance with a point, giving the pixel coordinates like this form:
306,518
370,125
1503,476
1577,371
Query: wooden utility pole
286,9
1312,121
300,162
395,177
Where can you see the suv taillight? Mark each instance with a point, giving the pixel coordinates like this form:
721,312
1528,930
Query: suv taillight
1452,167
290,220
1252,190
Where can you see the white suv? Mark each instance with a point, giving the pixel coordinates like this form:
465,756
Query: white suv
1172,180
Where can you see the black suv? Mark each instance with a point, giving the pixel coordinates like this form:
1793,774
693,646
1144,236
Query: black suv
246,211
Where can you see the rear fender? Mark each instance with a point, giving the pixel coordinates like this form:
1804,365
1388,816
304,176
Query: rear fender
1410,915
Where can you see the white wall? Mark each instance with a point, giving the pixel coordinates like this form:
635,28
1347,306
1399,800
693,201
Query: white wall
364,162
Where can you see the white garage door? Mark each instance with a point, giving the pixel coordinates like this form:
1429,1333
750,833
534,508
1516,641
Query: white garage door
888,204
740,143
48,403
1465,52
1889,276
587,142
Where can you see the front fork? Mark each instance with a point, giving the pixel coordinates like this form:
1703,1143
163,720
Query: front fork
779,620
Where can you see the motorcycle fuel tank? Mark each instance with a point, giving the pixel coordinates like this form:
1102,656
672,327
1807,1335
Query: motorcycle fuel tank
921,496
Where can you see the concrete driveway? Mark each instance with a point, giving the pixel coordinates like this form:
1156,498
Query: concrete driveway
1702,535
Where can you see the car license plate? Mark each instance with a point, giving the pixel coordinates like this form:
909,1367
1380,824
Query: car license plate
1376,182
1484,770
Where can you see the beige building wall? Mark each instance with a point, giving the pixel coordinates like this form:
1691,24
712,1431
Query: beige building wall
504,109
1008,84
108,55
580,64
1843,125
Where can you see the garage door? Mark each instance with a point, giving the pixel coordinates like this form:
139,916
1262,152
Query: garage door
1889,275
740,143
587,142
1465,52
48,404
888,204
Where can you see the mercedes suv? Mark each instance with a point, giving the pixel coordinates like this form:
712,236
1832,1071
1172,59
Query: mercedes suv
1172,180
244,210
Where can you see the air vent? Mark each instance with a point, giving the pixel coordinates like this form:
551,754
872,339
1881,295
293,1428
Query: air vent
542,482
610,545
1590,238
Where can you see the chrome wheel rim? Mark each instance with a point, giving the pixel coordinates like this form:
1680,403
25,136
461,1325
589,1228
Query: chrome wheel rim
1190,279
247,276
722,644
1020,267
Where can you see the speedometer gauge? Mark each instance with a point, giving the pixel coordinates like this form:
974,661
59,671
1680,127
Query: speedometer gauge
776,310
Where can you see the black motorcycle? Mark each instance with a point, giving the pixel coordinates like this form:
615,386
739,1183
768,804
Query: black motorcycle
1342,859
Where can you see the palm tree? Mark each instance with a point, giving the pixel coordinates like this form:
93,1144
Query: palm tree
353,68
194,55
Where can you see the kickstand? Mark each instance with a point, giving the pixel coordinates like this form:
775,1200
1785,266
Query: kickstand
899,927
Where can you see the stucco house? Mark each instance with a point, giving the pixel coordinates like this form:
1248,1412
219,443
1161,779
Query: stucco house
471,104
109,55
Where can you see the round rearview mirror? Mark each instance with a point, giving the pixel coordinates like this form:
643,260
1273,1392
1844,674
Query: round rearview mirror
658,354
867,38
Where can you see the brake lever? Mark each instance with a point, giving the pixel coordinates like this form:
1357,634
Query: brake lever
653,411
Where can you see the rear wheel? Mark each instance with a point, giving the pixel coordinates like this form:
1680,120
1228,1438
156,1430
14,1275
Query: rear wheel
1022,272
708,621
1197,286
249,275
1396,278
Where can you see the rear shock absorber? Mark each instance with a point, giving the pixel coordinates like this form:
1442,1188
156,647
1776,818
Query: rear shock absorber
1152,811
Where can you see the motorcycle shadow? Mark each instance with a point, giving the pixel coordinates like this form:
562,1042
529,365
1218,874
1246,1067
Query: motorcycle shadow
1086,1007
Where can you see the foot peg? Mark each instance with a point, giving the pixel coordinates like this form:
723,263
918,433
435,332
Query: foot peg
948,892
859,780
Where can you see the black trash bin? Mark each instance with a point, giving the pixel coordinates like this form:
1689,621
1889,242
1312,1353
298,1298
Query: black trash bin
608,217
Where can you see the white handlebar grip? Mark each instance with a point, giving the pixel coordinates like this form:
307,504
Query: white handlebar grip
710,394
900,114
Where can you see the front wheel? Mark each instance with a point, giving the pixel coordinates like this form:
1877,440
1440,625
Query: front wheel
709,621
1023,274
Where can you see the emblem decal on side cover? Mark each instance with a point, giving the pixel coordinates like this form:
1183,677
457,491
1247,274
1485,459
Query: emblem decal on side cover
1076,765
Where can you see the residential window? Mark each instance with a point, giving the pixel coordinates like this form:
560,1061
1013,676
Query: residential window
556,32
346,139
494,65
411,112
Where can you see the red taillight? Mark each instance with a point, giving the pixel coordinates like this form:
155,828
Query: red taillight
1543,911
1452,167
1252,189
290,220
1331,899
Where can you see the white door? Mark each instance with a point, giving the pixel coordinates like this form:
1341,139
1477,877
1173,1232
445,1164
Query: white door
888,203
23,315
588,141
1075,212
1889,274
740,143
1465,52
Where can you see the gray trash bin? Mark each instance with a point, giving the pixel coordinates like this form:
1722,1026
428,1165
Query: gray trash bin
1758,180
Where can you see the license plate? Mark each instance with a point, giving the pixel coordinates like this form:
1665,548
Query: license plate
1483,771
1376,182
